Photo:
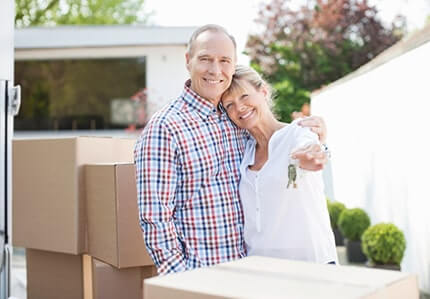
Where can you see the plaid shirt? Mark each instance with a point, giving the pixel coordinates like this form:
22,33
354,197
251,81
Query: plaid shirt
187,165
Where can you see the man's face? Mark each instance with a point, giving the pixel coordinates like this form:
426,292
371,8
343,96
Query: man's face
211,65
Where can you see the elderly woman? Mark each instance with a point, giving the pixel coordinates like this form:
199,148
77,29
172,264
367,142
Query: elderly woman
285,208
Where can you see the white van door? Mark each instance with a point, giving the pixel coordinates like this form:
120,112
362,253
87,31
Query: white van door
9,105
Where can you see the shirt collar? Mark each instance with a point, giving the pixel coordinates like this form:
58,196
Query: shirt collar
201,105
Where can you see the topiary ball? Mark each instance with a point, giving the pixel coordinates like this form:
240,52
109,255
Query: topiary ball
334,210
352,223
384,243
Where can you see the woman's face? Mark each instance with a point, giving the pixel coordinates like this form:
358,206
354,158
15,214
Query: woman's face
248,106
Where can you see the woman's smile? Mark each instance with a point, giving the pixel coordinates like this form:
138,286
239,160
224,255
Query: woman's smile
247,114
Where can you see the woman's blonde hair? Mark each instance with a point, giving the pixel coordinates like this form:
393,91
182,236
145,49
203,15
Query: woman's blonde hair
248,74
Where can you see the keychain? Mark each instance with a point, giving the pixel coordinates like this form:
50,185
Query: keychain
292,174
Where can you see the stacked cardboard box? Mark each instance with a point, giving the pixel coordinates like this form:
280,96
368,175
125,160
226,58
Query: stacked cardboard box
52,275
75,210
114,234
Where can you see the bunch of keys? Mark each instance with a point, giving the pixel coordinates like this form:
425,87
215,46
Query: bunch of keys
292,174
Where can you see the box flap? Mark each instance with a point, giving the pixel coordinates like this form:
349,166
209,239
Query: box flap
88,272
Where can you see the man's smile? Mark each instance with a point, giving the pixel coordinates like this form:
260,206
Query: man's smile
211,81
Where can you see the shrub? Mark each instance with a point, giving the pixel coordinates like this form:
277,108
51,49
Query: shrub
352,223
384,243
334,210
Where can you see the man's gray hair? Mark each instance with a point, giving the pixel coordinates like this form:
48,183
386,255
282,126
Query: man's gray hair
211,28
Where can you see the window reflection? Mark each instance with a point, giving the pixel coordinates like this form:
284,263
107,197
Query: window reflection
81,94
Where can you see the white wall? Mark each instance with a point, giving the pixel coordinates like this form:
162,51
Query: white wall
6,39
379,131
165,73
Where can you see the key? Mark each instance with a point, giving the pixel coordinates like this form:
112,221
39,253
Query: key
292,176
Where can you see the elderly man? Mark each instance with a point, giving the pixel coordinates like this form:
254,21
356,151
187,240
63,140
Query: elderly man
187,162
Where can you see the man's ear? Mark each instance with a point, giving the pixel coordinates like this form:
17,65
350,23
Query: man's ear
187,61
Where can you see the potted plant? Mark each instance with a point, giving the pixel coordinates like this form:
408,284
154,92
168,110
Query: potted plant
334,210
384,245
352,223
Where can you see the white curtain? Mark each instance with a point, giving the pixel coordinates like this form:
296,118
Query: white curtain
378,131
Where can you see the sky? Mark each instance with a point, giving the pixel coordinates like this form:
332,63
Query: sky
238,16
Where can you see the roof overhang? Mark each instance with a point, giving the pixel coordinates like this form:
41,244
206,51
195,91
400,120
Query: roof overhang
61,37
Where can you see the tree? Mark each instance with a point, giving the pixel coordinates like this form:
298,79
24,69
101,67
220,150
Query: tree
302,49
78,12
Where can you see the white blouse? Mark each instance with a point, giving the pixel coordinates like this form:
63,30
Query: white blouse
288,223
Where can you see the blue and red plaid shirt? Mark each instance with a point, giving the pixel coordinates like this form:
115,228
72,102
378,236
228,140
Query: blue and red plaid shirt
187,170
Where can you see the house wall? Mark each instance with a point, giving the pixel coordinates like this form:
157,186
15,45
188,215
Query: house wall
378,132
165,74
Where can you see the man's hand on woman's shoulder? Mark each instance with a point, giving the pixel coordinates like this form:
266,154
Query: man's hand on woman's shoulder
317,125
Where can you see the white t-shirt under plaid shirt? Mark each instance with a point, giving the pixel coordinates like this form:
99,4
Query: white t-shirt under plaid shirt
187,171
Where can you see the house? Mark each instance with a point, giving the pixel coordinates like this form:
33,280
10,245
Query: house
93,71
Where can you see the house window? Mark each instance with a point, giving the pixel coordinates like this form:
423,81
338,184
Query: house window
81,94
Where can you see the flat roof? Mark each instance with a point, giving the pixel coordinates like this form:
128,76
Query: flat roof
100,36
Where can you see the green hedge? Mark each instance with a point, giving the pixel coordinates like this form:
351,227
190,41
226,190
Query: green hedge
353,222
384,243
335,208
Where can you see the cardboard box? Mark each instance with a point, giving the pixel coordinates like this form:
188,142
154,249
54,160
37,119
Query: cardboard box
48,189
52,275
103,281
114,233
262,277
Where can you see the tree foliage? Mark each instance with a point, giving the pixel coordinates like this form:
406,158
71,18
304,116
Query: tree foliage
302,49
78,12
